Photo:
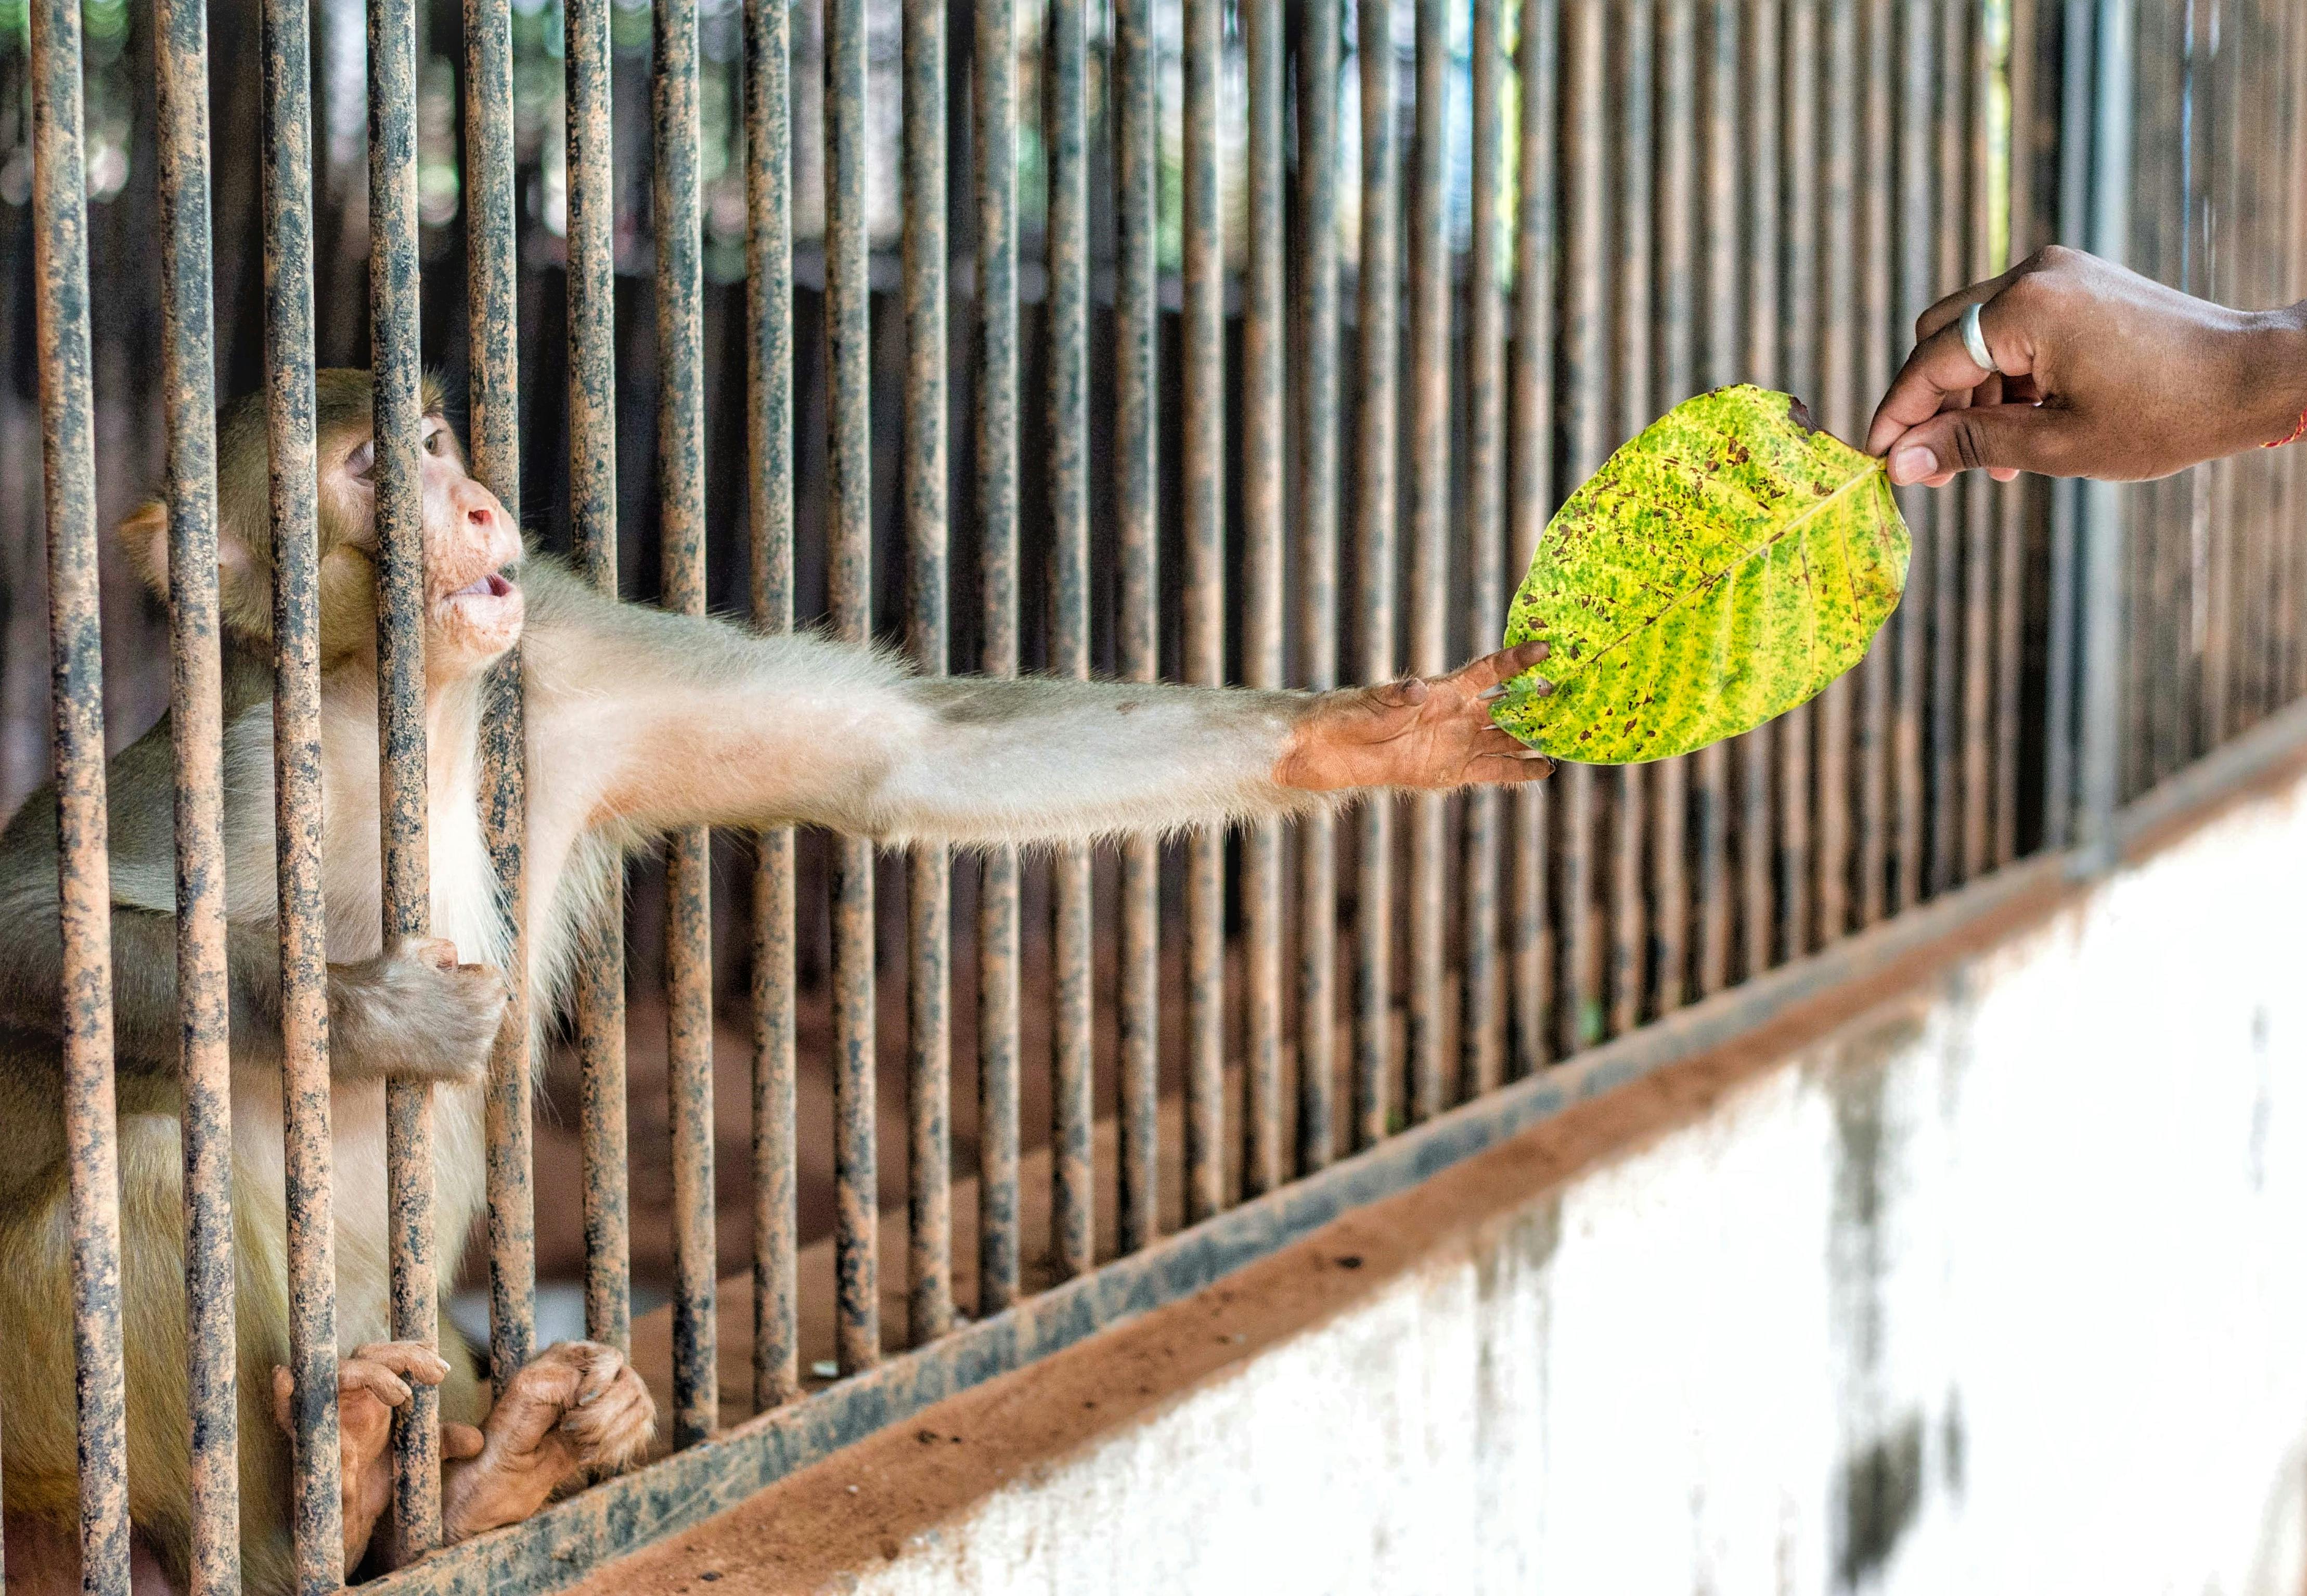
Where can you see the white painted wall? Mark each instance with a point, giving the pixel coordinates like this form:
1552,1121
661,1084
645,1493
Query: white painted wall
2005,1292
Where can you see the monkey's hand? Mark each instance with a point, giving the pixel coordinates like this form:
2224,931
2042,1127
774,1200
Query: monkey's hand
370,1385
576,1408
1428,733
414,1013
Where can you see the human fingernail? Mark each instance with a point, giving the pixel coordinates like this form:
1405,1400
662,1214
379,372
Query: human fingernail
1541,687
1489,693
1912,464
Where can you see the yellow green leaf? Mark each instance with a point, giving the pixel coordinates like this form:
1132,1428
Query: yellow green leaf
1720,569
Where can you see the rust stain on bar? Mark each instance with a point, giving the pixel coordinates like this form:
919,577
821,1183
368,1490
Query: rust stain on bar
999,924
1265,424
1481,1032
1429,543
1374,583
1317,618
849,498
83,871
196,736
1136,316
1201,490
1537,70
929,1095
1072,1179
396,357
600,954
769,505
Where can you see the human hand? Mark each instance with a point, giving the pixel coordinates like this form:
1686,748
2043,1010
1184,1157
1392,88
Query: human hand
1432,732
2103,374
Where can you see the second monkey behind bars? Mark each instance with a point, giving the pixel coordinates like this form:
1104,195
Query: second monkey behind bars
638,721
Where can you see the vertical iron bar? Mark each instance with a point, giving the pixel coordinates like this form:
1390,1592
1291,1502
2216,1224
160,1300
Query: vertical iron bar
196,736
2098,754
600,954
398,419
996,69
679,230
1757,838
1585,343
849,594
1876,274
1136,383
1635,28
1201,333
1374,511
1979,498
769,483
1429,536
1677,267
1264,425
1915,292
493,287
1481,1032
1945,515
1720,365
318,1503
1836,252
1073,1193
928,1002
1317,562
2017,504
1798,373
83,872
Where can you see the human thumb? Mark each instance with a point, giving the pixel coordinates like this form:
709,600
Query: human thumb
2013,437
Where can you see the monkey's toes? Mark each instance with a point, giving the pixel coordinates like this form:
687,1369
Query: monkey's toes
611,1424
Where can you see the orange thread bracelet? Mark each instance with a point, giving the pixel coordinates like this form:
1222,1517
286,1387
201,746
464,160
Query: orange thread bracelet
2297,433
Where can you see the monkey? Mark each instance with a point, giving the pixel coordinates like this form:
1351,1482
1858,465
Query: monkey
638,721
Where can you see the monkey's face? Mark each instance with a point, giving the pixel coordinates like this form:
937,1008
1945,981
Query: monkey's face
472,610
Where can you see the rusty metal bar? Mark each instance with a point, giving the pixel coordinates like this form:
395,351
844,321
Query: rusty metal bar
1635,28
1757,836
396,357
849,593
1378,288
1537,69
493,310
84,867
1201,334
1946,518
769,506
1915,291
1719,365
196,741
1481,1029
996,131
1675,297
600,953
1073,1126
1798,373
1837,253
2018,505
1981,519
1264,335
1137,390
678,231
1586,344
1876,350
1429,540
317,1505
929,992
1317,561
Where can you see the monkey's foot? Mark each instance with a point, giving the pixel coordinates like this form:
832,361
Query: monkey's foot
577,1408
370,1385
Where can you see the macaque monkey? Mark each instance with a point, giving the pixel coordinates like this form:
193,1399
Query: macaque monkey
638,721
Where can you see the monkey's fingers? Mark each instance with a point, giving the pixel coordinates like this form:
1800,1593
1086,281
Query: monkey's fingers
1496,670
410,1359
460,1441
284,1399
437,951
1501,769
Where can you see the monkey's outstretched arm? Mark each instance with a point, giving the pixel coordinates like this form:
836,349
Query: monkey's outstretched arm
656,720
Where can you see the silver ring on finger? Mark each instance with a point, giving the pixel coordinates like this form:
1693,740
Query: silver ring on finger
1974,341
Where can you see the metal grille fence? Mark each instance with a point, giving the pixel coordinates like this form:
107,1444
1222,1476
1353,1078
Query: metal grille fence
1284,399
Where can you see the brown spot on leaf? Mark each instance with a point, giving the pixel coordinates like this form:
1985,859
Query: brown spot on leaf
1799,414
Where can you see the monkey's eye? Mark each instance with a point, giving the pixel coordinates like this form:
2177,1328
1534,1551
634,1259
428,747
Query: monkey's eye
361,463
433,440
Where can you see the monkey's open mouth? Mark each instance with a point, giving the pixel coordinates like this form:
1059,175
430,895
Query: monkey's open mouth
491,586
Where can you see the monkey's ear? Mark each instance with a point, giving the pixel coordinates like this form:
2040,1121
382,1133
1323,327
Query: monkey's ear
144,537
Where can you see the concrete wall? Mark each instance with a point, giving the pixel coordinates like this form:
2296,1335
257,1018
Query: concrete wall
2000,1288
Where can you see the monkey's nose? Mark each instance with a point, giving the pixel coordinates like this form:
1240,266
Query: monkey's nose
480,516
